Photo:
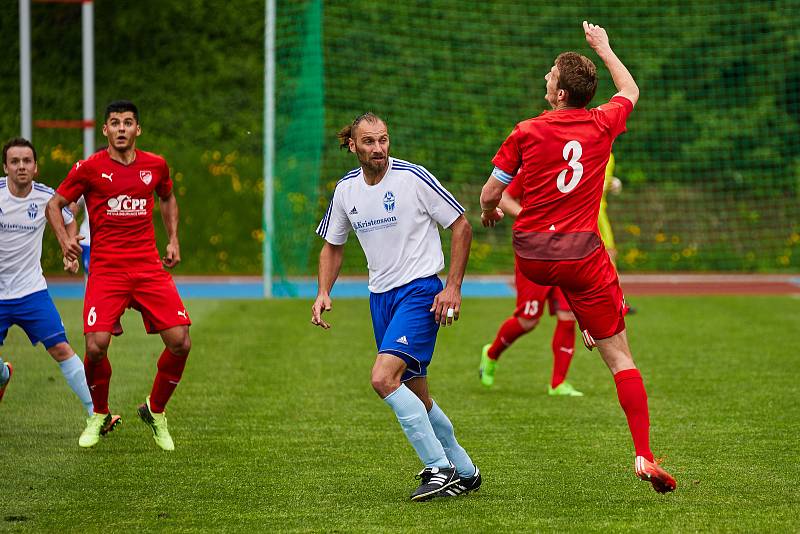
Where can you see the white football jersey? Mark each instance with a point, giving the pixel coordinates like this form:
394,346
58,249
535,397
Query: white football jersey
394,220
84,228
22,223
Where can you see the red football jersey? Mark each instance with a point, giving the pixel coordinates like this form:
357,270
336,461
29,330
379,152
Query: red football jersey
514,189
559,158
119,199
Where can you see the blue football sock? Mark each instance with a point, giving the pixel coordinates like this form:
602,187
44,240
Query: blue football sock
410,412
445,434
3,372
72,369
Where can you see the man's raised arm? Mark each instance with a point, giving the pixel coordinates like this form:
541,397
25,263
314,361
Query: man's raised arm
597,38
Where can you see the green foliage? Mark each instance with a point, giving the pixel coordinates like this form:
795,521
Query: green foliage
195,69
713,146
261,422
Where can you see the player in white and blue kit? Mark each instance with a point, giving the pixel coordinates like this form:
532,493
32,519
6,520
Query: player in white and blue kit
87,237
24,299
393,207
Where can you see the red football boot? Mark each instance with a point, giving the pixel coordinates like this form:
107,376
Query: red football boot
651,472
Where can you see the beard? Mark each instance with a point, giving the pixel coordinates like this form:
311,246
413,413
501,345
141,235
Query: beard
374,166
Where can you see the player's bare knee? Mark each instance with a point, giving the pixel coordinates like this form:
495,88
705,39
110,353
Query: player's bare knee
527,324
562,315
95,352
61,351
97,345
180,347
384,384
616,353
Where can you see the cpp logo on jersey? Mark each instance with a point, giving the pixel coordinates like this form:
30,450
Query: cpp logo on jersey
33,211
125,206
388,201
146,177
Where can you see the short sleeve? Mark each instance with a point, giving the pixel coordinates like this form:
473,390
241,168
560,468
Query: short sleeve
616,112
164,186
66,213
514,189
436,200
509,157
335,226
74,185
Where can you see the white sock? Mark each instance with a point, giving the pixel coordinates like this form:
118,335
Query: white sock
72,369
411,414
446,435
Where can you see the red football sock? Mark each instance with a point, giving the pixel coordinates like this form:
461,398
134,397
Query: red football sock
563,349
508,334
633,399
170,370
98,377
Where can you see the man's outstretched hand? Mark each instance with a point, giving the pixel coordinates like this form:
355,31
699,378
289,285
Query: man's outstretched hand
596,36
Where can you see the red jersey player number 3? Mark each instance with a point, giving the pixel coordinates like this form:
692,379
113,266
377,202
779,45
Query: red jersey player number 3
558,158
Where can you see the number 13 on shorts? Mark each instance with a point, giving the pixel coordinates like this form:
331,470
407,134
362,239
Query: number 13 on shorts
531,307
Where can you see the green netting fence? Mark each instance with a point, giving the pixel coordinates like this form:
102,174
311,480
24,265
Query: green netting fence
710,165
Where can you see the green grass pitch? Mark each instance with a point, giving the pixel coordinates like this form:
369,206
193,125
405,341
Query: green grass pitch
278,430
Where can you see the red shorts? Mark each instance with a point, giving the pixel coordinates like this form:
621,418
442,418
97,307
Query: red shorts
153,293
591,286
532,297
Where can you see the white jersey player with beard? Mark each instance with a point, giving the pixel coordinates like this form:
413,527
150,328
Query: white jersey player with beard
395,222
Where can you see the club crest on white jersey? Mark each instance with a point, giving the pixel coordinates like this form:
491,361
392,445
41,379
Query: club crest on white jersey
388,201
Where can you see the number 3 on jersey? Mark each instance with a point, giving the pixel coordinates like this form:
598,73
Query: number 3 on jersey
572,153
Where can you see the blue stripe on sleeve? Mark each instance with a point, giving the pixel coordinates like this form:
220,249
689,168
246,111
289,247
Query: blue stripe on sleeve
502,175
428,179
433,183
322,228
44,189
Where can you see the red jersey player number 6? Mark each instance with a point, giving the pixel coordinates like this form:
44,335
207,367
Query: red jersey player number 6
119,184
